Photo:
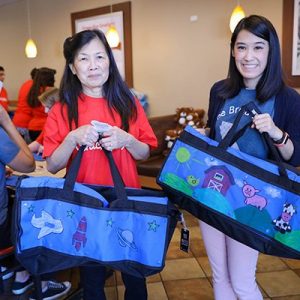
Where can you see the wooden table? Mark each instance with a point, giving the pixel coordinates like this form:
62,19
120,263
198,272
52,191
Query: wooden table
41,170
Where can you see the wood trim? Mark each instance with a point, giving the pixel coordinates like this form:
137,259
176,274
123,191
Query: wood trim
287,43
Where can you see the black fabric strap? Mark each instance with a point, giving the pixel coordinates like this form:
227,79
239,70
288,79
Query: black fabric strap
71,175
253,110
240,133
116,176
73,170
242,164
233,135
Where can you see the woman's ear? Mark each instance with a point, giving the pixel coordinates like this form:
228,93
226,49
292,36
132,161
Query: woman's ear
72,69
232,53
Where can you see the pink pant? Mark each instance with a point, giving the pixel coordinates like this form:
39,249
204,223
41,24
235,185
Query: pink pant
233,265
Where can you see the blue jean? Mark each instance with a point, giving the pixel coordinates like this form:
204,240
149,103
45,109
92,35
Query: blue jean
92,279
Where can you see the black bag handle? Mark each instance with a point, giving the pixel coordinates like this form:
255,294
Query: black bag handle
71,175
232,136
240,133
116,176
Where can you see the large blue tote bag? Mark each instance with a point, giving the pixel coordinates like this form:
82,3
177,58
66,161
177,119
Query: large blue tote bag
254,201
61,224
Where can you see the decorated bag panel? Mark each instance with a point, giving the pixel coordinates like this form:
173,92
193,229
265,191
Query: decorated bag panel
232,191
102,234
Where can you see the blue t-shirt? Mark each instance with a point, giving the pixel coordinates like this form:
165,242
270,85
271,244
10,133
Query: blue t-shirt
8,151
251,141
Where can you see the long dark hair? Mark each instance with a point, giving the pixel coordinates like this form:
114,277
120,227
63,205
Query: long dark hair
115,89
272,80
43,77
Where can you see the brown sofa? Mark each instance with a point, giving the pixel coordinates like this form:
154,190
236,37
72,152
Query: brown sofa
151,166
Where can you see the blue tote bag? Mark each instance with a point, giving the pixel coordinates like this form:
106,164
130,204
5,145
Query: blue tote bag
61,224
251,200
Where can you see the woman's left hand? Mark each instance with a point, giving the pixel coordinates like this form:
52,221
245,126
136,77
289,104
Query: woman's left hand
115,138
8,171
36,147
264,123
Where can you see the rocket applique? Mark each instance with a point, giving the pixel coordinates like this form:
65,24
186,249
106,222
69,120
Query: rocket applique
79,237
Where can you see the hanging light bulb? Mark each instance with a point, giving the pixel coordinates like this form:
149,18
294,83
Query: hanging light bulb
30,48
112,34
237,14
112,37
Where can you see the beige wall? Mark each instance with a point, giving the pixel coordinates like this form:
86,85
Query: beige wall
175,61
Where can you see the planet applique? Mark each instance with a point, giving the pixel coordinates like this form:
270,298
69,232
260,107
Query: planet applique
126,239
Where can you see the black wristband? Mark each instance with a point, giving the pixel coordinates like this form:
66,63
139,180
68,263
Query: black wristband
283,140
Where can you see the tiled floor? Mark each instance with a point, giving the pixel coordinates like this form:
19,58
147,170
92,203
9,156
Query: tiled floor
187,276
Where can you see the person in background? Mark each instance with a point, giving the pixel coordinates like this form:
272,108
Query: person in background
3,92
92,89
48,98
43,79
15,154
255,74
30,113
23,112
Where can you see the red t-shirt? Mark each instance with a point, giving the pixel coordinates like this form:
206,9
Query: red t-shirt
38,119
23,113
4,98
25,116
94,167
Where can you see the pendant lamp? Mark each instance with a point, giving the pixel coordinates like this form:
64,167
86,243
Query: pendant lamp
112,35
30,48
237,14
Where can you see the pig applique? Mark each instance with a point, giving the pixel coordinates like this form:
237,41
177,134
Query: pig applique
250,192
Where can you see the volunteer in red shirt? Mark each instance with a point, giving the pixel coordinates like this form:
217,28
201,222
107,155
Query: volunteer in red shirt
48,98
3,92
92,89
30,113
23,112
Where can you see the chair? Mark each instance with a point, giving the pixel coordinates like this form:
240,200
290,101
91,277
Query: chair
151,166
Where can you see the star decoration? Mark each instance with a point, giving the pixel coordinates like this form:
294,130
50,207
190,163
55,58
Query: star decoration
30,208
153,226
109,222
70,213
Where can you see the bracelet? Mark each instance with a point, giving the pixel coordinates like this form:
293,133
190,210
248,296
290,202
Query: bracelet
283,140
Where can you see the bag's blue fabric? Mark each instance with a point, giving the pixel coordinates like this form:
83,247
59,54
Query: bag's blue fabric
252,200
61,224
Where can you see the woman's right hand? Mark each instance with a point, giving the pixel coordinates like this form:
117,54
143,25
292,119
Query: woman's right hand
84,135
